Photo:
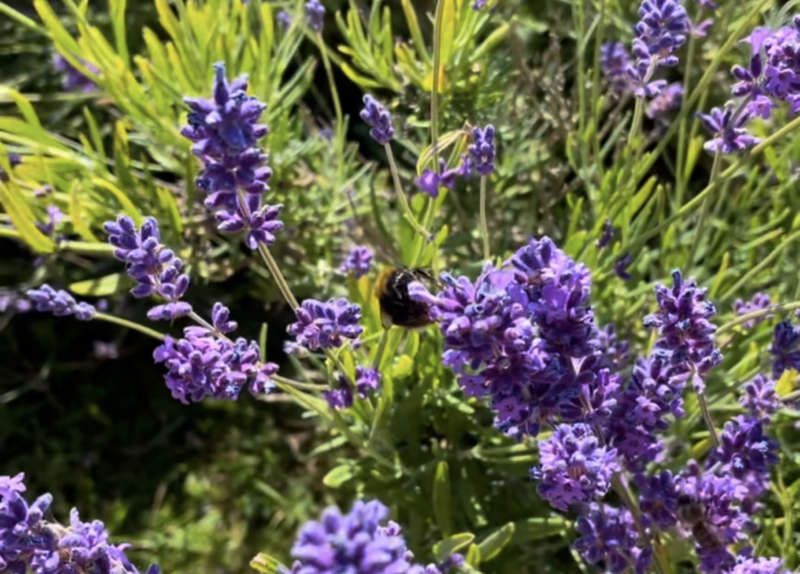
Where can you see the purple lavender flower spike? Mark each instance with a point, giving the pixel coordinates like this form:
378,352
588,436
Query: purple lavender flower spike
202,365
658,498
315,15
760,398
785,348
341,397
684,327
659,33
482,150
608,535
156,269
74,80
325,325
607,236
358,261
621,266
367,379
614,63
60,303
745,449
730,134
759,302
377,118
260,221
667,101
430,180
574,467
356,542
284,20
30,543
760,566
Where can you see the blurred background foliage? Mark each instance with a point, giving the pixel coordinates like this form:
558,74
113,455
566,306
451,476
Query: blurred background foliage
206,487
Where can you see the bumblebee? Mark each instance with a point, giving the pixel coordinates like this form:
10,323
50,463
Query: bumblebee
397,307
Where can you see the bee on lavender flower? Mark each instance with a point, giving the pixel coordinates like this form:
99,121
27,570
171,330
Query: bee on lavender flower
397,307
692,514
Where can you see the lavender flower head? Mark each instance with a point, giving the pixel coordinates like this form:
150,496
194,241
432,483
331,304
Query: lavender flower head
326,325
574,467
482,150
729,132
315,15
357,543
378,119
760,566
73,79
785,348
667,101
358,261
156,269
684,327
430,181
745,449
60,303
760,398
759,302
659,33
204,365
614,63
608,535
28,542
225,131
284,20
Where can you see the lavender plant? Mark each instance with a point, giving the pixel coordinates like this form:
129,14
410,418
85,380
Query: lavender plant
578,403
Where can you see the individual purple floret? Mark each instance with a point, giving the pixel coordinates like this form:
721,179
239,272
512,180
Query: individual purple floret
659,33
430,181
74,80
14,160
608,535
325,325
785,348
13,301
745,449
614,63
760,398
54,217
31,543
284,20
482,150
156,269
367,379
759,302
202,365
356,543
260,221
730,134
60,303
607,236
479,4
684,328
315,15
616,353
358,262
658,498
667,101
621,266
573,467
377,118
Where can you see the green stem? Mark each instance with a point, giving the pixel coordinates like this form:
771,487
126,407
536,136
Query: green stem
401,196
771,310
298,384
337,106
376,363
701,397
698,234
437,62
687,77
484,222
130,325
638,111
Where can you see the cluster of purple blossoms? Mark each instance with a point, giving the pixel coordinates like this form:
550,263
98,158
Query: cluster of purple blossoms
360,542
73,79
661,30
608,535
204,365
358,262
154,267
759,302
60,303
325,325
367,380
482,150
378,119
315,15
430,181
668,100
772,76
785,348
13,301
225,131
28,542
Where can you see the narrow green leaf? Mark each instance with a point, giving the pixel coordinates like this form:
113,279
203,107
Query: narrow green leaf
403,368
473,557
414,29
265,563
19,211
100,287
262,342
452,544
441,497
449,25
339,475
116,9
125,202
538,528
493,544
76,214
